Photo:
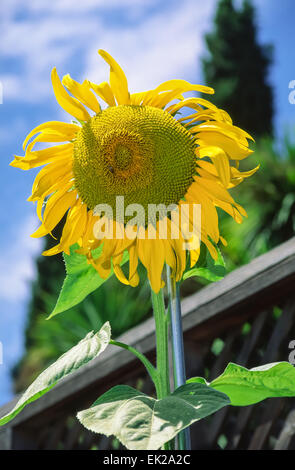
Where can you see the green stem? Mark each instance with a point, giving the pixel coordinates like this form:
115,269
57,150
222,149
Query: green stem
148,365
162,322
160,374
177,347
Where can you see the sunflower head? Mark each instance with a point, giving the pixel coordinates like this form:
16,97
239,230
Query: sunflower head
134,147
140,152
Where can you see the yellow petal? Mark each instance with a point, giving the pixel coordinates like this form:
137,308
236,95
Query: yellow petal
223,241
178,245
207,175
220,161
120,275
161,100
67,102
194,256
68,130
41,157
170,257
52,251
204,115
104,91
118,79
209,216
56,207
186,103
243,174
133,263
151,254
103,269
88,237
150,95
231,210
234,149
82,92
53,175
184,86
224,128
214,191
137,98
194,103
187,118
39,209
74,227
48,136
207,166
211,249
220,196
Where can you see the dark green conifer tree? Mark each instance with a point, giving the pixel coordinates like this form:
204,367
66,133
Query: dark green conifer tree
237,68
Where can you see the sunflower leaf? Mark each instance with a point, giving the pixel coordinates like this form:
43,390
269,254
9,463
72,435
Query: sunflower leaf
81,279
141,422
248,386
87,349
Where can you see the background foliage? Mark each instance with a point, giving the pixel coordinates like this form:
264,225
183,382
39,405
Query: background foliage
237,68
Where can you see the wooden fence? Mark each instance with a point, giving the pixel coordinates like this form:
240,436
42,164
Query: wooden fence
247,318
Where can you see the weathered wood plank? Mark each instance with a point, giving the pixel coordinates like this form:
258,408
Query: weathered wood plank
270,415
287,432
245,291
6,438
252,339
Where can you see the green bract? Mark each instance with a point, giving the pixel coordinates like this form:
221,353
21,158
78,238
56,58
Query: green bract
81,279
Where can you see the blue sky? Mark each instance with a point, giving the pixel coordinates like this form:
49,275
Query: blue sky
153,40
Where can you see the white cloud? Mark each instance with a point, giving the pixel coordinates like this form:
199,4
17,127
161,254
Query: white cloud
151,48
69,6
17,266
164,46
36,46
11,86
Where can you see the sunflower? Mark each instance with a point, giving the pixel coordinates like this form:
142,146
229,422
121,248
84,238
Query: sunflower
137,148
